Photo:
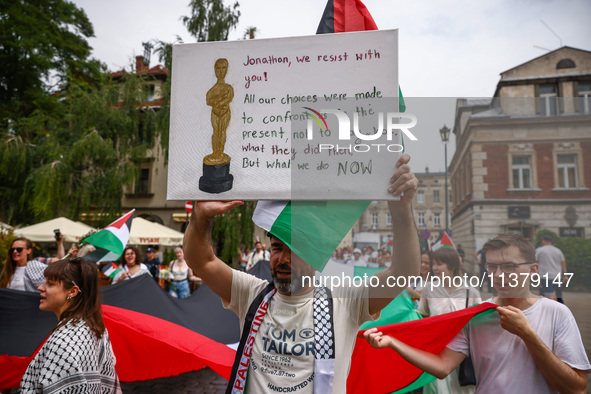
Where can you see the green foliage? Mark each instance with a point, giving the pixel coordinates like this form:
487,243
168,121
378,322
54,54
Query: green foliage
541,233
79,156
167,256
232,229
5,242
43,41
250,33
577,254
210,20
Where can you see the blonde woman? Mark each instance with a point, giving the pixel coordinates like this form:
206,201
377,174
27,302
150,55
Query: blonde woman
180,275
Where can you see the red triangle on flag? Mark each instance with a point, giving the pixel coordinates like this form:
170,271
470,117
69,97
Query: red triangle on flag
122,220
446,241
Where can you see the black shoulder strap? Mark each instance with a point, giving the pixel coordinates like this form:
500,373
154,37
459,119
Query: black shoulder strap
467,296
246,331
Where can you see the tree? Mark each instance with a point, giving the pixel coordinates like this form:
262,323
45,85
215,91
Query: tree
42,42
43,46
81,155
210,20
249,33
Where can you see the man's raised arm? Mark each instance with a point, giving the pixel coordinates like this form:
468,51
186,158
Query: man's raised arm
198,249
406,254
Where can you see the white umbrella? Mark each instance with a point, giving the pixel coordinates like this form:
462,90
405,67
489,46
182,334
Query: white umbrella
5,228
43,232
144,232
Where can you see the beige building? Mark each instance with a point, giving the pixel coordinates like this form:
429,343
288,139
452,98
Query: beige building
523,158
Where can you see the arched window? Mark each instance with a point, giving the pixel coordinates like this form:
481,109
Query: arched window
565,63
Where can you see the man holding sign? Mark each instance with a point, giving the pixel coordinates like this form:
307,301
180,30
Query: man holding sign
297,337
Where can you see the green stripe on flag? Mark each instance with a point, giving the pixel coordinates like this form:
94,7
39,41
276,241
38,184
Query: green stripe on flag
314,229
400,310
107,240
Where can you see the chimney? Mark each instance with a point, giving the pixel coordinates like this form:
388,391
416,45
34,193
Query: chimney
140,65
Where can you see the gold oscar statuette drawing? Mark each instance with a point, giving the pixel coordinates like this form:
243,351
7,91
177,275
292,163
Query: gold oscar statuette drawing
216,166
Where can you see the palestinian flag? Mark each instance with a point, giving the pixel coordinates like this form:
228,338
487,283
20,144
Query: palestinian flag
314,229
390,246
110,241
311,229
342,16
111,269
146,324
444,241
431,334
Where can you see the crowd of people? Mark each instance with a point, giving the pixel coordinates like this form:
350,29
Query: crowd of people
530,344
365,256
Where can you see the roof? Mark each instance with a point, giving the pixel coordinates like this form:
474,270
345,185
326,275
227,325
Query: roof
156,71
544,55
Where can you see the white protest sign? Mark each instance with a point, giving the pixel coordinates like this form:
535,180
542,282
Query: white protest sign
310,118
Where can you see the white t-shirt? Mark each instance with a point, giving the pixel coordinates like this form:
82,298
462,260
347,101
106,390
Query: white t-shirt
437,301
142,271
283,352
501,360
550,259
18,279
254,258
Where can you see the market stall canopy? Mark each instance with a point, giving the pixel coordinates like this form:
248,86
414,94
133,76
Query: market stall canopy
43,232
144,232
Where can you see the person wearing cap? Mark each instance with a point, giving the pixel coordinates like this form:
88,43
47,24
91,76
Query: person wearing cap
152,263
357,260
297,337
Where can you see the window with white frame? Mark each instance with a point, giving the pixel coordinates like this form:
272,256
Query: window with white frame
567,171
548,100
436,197
421,196
436,219
374,219
521,172
389,219
421,219
585,98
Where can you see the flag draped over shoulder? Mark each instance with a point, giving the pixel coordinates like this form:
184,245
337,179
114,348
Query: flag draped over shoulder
111,240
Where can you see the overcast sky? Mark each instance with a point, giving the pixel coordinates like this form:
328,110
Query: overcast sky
447,48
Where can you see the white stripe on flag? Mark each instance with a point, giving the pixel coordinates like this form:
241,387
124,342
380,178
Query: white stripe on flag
266,212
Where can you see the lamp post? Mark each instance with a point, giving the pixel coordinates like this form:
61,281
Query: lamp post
444,133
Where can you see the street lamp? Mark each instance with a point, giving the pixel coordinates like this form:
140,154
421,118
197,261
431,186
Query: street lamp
444,133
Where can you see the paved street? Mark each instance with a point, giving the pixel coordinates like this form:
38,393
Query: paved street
207,381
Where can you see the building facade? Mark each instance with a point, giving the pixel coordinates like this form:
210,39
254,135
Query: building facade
428,209
148,194
523,158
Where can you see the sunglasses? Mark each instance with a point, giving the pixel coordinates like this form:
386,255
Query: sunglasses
17,249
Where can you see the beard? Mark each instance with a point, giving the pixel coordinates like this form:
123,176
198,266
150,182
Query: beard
291,285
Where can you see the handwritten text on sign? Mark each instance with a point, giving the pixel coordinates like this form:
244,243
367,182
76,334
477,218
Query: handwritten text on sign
293,100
